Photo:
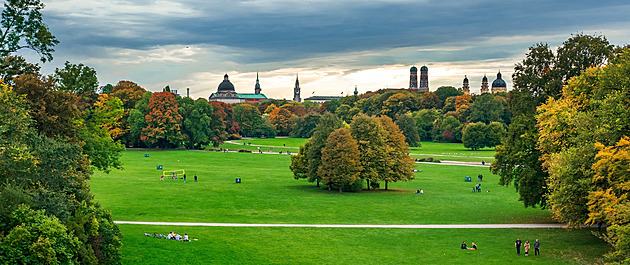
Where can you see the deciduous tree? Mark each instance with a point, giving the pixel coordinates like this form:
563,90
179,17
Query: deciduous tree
340,160
22,26
76,78
163,121
399,163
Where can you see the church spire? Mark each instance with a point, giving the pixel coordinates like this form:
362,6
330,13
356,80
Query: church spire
296,89
257,87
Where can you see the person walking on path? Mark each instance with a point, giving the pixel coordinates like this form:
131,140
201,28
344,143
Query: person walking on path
536,248
526,248
162,178
195,177
517,244
184,177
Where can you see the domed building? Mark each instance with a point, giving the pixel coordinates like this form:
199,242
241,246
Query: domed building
226,93
498,85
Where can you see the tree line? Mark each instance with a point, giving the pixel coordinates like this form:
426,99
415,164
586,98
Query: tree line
566,148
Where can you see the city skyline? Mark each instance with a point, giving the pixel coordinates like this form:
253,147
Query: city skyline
333,45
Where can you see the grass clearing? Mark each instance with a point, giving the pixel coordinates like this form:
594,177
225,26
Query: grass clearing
246,245
269,194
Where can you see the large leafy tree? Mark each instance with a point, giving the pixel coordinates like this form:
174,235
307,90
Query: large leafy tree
299,162
486,108
409,128
99,125
424,120
340,160
47,174
76,78
370,137
54,111
198,123
609,201
400,103
248,118
539,77
474,135
23,27
14,66
327,124
445,92
280,118
303,127
163,121
399,163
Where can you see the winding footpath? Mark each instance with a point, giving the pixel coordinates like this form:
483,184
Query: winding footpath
456,226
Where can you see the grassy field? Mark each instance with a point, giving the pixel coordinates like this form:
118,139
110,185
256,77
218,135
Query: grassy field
439,151
269,194
242,245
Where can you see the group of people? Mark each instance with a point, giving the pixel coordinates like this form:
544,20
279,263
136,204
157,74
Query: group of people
419,191
477,188
171,235
472,247
518,244
174,176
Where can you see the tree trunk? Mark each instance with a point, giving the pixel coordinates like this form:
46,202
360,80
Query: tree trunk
368,183
386,185
340,189
329,186
318,183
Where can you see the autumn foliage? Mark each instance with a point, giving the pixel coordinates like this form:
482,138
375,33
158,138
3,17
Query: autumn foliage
163,121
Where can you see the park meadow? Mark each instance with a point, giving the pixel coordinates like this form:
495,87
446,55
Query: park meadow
268,194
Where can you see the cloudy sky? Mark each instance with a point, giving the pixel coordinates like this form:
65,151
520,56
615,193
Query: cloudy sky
332,44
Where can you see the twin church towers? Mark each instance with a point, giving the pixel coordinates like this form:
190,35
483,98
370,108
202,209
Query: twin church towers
498,85
424,79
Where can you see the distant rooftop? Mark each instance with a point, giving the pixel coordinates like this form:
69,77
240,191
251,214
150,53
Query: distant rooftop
322,98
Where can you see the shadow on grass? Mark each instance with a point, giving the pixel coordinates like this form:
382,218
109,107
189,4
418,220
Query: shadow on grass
323,189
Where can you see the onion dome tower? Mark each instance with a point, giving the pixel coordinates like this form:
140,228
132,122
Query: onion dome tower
484,84
498,85
424,79
413,78
356,92
465,86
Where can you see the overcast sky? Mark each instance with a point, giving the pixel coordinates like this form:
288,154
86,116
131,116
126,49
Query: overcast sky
332,44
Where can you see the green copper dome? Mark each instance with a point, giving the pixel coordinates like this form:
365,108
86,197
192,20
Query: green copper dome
414,69
424,68
499,81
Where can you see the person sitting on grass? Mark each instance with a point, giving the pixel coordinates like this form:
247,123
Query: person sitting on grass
417,192
464,245
185,237
178,237
474,246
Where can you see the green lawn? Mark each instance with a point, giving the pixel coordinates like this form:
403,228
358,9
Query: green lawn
243,245
439,151
269,194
